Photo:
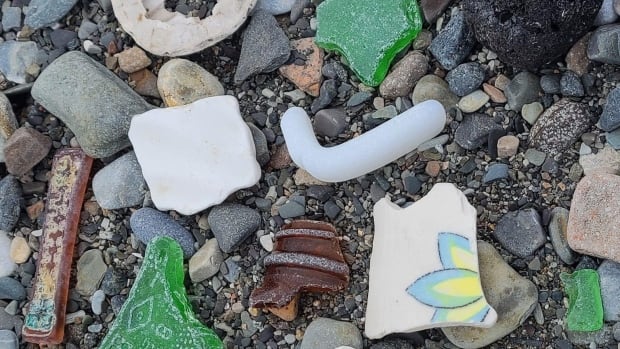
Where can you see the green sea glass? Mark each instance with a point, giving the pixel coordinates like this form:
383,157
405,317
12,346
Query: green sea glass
157,313
368,33
585,307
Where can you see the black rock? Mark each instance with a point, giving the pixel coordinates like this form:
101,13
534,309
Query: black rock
113,282
465,78
529,33
603,45
520,232
454,42
474,131
327,93
10,202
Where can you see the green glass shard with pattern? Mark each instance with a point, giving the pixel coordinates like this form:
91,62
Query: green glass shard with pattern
585,309
368,33
157,313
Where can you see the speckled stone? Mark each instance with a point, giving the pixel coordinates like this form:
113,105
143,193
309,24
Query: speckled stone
452,45
560,126
474,130
148,223
404,75
323,333
232,224
10,202
520,232
598,237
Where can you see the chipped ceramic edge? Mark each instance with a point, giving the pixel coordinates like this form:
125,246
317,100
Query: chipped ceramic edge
382,316
172,34
365,153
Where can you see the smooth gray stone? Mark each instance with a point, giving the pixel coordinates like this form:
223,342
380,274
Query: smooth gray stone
274,7
465,78
11,18
15,58
11,289
495,172
323,333
46,12
95,104
8,339
557,232
148,223
520,232
232,223
607,14
474,131
610,118
120,184
522,89
260,144
604,44
609,274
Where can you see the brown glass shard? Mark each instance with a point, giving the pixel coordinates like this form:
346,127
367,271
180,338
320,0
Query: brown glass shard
306,258
45,319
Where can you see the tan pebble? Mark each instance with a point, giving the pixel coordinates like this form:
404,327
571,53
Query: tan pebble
132,60
507,146
35,210
433,168
302,177
501,82
20,251
497,96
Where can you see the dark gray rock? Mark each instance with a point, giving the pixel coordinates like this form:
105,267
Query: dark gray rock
604,45
297,11
323,333
557,232
10,202
609,274
560,126
529,34
327,93
120,184
358,98
232,223
392,344
8,340
335,70
520,232
11,18
610,118
454,42
113,282
522,89
232,270
295,206
607,14
465,78
11,289
570,85
495,172
474,131
260,144
330,122
551,83
433,8
94,103
148,223
331,209
321,193
42,13
62,37
412,184
264,48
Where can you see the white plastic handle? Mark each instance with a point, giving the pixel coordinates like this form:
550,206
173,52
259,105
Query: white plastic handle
365,153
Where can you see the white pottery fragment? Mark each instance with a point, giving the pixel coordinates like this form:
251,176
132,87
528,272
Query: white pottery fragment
194,156
424,266
365,153
172,34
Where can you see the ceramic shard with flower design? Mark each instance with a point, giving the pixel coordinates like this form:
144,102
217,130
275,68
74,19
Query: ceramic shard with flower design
424,266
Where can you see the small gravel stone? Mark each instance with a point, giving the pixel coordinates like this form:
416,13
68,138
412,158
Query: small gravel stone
522,89
133,59
6,264
603,46
90,271
16,57
120,184
275,7
359,98
11,18
328,91
434,87
42,13
113,282
323,333
206,262
473,132
465,78
557,232
330,122
11,289
96,302
24,149
454,43
148,223
607,14
232,224
496,95
495,172
182,82
266,241
412,184
570,85
520,232
607,160
404,75
294,207
8,340
530,112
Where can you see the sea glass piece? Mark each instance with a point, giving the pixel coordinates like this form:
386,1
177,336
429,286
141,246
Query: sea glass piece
45,319
157,313
424,266
368,33
585,306
306,258
365,153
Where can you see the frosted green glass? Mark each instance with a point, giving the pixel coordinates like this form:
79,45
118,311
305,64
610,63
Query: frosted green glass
585,309
157,313
368,33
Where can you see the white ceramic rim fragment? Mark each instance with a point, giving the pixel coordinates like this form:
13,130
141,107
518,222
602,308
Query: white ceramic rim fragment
172,34
365,153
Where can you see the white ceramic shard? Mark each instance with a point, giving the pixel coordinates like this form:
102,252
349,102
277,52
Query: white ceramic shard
365,153
194,156
424,266
166,33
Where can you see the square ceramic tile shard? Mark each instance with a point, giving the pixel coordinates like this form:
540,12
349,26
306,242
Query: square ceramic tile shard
432,245
194,156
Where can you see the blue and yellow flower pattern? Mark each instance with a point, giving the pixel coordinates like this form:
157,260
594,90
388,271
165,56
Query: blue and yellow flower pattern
454,291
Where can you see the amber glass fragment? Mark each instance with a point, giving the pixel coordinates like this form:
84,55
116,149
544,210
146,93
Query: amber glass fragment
306,257
45,319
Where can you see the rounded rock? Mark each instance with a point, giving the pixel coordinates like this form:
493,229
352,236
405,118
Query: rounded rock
232,223
206,262
401,79
473,101
120,184
465,78
11,289
10,202
434,87
181,82
148,223
557,232
507,146
323,333
20,251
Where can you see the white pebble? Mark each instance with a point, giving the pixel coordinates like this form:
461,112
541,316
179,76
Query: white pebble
96,300
267,242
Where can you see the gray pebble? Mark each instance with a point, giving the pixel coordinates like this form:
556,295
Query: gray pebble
603,45
232,223
551,83
11,18
330,122
15,58
610,118
274,7
120,184
232,270
260,144
335,70
607,14
327,93
520,232
557,232
96,301
570,85
522,89
454,42
495,172
474,131
294,207
358,98
465,78
8,340
297,11
148,223
323,333
113,282
535,157
331,210
10,202
11,289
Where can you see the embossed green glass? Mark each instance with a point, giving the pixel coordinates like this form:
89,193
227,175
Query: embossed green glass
368,33
585,309
157,313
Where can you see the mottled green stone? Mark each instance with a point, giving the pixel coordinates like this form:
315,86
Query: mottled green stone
157,313
368,33
585,307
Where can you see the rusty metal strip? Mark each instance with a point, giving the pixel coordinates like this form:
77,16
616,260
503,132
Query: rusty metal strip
45,320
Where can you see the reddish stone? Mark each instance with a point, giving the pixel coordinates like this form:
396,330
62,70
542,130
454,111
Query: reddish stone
280,158
497,96
306,77
145,83
24,149
433,168
594,219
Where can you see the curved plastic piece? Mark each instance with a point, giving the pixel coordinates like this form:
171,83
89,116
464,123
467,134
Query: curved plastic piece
365,153
172,34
